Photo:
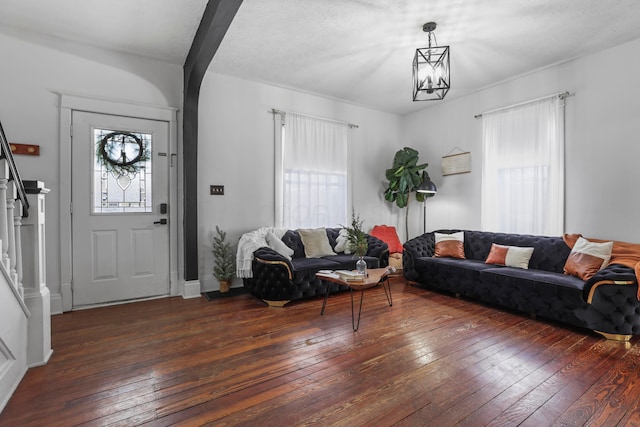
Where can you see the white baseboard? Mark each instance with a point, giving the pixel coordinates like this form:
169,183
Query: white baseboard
209,283
191,289
67,296
175,284
63,301
7,389
56,304
43,362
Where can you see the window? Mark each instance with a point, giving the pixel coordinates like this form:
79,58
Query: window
523,168
311,173
121,190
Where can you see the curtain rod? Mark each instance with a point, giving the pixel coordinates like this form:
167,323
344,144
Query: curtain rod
561,95
284,113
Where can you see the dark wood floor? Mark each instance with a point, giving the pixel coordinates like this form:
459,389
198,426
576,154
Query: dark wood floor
431,359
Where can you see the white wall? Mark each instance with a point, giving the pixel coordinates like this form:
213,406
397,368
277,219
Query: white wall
236,149
33,71
602,143
236,138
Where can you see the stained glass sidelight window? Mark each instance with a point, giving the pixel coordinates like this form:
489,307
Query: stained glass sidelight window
121,172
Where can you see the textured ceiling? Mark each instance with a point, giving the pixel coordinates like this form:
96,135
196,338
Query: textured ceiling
355,50
160,29
361,50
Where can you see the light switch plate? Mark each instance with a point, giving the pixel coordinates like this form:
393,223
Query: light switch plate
216,190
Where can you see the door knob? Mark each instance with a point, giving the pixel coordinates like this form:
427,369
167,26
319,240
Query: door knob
163,221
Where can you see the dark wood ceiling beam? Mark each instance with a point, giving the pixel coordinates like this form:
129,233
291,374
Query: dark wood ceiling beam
215,21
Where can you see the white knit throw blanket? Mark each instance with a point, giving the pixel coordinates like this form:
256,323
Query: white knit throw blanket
248,243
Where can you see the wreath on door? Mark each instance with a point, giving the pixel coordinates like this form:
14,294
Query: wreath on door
122,153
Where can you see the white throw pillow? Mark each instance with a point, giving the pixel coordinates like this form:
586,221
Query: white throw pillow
316,243
342,243
278,245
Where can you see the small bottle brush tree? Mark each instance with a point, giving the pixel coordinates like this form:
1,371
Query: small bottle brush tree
224,257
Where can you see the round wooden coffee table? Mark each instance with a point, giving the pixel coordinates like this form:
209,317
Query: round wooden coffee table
375,277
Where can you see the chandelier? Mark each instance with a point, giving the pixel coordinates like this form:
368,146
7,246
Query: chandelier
431,79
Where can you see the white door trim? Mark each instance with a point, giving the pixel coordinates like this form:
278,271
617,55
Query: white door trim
69,103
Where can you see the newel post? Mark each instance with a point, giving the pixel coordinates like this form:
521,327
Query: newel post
34,275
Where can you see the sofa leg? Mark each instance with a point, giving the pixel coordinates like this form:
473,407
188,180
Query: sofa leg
614,337
276,303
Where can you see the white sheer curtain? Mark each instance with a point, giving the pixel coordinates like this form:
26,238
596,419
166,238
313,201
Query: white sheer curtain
523,168
311,173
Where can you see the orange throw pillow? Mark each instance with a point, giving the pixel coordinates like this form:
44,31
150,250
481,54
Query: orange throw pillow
587,258
510,256
449,245
388,234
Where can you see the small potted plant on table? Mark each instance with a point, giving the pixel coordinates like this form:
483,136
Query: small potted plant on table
357,240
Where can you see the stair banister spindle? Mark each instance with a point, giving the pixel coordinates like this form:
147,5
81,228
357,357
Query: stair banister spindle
4,229
11,234
17,224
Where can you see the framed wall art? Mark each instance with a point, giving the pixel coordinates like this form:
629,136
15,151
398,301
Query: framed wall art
453,164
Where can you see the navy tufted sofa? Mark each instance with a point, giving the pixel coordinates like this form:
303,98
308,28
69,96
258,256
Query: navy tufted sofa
277,280
607,303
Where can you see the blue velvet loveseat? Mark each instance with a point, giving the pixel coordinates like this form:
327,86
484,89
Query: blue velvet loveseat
606,303
278,280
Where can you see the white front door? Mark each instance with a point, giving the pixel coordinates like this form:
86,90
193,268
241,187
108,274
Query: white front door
119,208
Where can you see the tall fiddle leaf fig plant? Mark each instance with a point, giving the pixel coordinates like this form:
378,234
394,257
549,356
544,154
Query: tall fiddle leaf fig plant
405,176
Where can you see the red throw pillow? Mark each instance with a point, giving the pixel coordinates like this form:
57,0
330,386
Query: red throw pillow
388,234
